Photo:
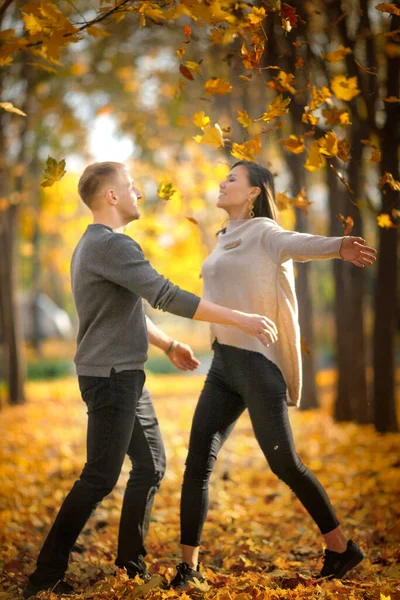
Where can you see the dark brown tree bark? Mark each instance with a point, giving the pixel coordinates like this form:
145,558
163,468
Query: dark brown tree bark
384,403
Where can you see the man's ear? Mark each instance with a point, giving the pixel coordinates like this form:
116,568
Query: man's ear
111,197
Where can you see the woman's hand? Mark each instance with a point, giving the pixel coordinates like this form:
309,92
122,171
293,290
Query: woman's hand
261,327
354,250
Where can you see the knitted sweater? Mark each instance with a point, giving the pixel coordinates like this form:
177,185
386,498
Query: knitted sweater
109,277
251,270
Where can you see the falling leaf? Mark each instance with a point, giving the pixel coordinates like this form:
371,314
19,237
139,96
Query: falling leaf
315,160
376,154
54,172
244,118
294,144
288,17
338,54
391,99
32,24
319,96
344,88
283,82
257,15
186,72
187,31
282,200
194,66
299,63
370,70
300,201
278,108
347,222
212,136
334,116
192,220
4,204
96,32
308,118
251,58
389,8
391,182
329,144
8,106
180,52
344,150
217,85
200,119
165,191
385,221
248,150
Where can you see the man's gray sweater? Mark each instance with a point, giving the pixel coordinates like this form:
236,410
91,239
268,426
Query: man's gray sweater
109,277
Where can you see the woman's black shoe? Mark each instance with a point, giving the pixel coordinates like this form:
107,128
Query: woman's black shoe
136,568
185,575
57,587
336,564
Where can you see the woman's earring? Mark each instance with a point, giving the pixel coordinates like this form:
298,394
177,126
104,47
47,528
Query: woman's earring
251,208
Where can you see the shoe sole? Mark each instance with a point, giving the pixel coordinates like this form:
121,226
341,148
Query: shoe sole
356,560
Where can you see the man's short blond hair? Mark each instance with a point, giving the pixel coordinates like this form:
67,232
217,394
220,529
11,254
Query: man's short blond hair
94,176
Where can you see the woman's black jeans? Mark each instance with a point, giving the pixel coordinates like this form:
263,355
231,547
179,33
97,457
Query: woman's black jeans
121,420
240,379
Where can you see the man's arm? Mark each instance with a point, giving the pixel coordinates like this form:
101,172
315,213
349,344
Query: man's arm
181,355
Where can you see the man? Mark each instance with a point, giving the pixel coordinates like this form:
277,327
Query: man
109,277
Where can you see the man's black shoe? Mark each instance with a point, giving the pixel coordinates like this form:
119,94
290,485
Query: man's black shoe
185,575
136,568
57,587
336,564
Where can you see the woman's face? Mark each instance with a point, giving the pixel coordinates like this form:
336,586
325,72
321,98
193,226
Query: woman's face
235,193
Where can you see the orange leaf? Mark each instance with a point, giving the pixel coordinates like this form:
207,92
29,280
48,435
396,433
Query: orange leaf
186,72
389,8
347,222
217,85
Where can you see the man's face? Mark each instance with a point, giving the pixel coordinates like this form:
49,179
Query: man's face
127,195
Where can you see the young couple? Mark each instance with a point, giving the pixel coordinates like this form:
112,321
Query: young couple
250,301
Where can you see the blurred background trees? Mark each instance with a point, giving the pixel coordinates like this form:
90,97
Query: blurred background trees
311,89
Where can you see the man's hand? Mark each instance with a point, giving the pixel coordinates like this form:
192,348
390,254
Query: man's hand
354,250
182,357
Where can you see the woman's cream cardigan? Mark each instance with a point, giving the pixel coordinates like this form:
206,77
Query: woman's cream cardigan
251,270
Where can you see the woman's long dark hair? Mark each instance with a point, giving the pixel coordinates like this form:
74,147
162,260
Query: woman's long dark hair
264,205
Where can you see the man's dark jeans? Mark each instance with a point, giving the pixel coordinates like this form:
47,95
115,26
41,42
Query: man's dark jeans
121,420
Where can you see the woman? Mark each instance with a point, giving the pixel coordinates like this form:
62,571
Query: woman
251,269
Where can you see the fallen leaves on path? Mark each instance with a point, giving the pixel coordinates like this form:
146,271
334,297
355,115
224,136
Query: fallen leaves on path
258,543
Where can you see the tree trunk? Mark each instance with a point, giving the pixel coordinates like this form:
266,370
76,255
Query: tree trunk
384,402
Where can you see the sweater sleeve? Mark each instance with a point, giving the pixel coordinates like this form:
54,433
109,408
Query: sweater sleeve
283,245
125,265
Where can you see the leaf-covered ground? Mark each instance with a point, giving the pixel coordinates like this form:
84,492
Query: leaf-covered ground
259,543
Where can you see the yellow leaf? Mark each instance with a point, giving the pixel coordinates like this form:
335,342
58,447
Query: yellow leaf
285,80
319,96
315,160
180,52
193,66
54,172
389,8
244,118
8,106
248,150
307,117
257,15
344,88
344,150
329,144
334,116
282,200
78,69
212,136
385,221
46,68
338,54
200,119
301,202
390,180
278,108
165,191
383,597
96,32
294,144
5,61
32,24
217,85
